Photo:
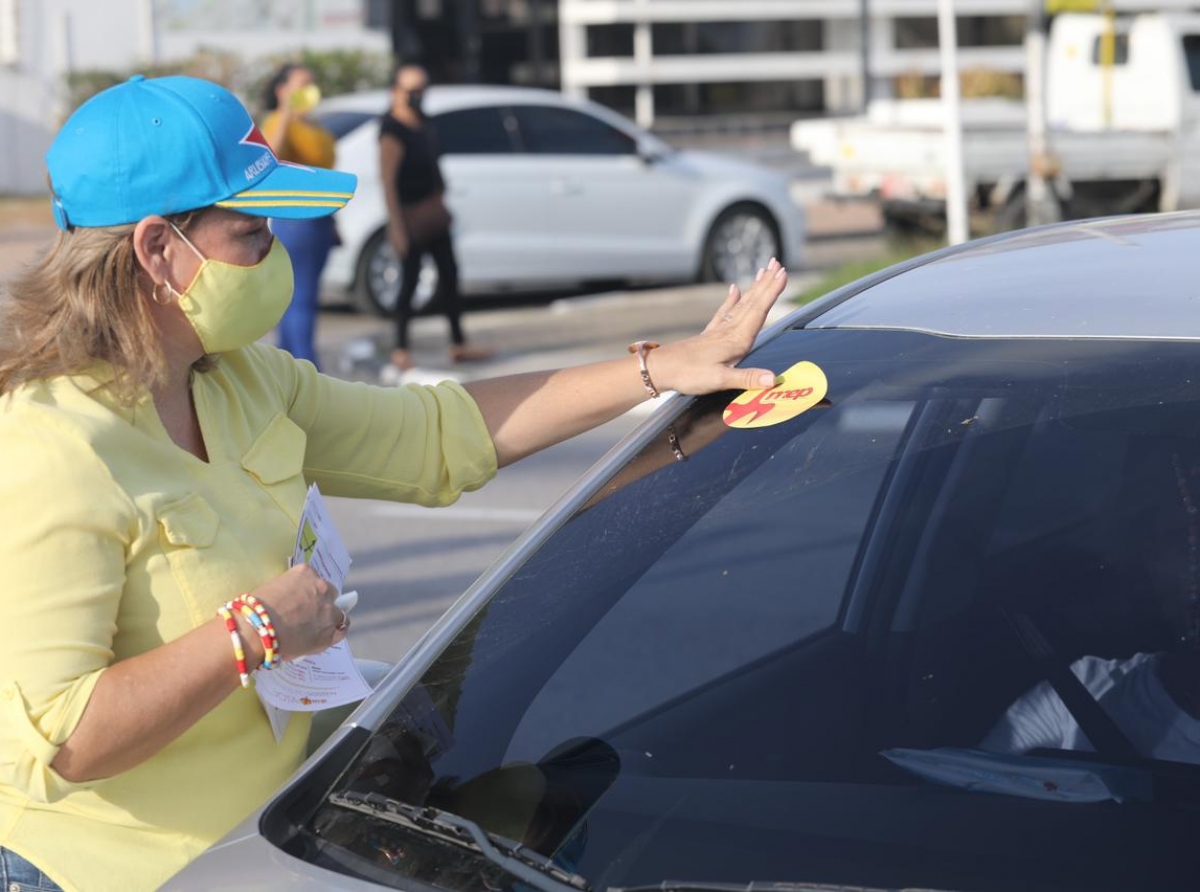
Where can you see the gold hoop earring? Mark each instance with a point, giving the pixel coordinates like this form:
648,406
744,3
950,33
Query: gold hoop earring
160,301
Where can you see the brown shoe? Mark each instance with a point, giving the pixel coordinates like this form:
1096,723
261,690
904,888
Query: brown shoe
467,353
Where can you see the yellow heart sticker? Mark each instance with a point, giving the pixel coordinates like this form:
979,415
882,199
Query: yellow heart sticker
800,388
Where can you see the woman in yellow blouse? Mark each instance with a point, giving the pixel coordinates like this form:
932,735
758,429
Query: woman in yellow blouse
154,458
290,96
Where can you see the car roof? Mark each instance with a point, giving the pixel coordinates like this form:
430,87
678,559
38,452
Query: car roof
451,97
1118,277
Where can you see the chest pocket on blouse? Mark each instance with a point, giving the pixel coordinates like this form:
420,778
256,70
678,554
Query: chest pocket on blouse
276,461
187,528
188,523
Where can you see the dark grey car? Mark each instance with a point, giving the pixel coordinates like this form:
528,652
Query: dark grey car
806,654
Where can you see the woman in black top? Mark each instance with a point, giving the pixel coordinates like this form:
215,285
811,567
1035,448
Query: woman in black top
418,222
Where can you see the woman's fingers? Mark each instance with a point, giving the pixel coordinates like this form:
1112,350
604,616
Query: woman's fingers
342,629
749,379
724,314
752,307
768,285
750,314
734,297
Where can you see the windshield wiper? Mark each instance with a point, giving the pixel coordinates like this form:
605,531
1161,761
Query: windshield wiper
524,864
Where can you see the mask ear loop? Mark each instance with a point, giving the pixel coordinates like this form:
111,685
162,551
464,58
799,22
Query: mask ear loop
188,242
172,294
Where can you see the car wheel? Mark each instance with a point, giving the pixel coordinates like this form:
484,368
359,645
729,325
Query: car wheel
377,283
742,241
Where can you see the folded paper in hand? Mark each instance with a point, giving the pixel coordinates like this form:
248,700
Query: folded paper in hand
330,678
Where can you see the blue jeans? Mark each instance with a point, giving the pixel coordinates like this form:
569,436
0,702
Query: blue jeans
18,875
308,243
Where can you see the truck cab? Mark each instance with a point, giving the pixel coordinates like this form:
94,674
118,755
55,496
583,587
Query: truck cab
1123,121
1144,79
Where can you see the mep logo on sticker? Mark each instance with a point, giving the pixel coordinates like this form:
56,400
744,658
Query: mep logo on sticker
800,388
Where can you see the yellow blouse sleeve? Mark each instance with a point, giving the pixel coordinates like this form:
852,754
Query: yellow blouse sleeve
419,444
63,554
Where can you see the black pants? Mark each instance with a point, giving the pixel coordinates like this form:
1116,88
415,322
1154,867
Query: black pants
445,298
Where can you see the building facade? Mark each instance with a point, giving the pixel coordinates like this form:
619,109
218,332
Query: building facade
480,41
765,59
668,58
42,42
702,63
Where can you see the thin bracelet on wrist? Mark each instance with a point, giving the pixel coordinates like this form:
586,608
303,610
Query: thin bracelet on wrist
641,348
673,441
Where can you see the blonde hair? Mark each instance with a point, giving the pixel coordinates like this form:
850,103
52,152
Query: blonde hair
83,302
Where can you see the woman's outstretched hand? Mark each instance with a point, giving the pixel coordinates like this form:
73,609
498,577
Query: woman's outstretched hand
706,363
525,413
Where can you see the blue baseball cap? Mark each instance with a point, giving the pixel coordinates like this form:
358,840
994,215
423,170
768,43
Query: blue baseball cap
172,144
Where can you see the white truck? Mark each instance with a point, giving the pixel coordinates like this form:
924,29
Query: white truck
1123,122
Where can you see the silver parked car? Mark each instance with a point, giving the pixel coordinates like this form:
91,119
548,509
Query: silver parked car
939,631
550,192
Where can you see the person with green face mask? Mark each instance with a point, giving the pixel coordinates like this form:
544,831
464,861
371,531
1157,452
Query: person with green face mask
154,460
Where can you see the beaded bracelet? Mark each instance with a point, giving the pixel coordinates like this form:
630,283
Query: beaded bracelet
267,636
266,630
239,653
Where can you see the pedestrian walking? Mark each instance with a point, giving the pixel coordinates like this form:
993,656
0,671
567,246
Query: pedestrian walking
419,223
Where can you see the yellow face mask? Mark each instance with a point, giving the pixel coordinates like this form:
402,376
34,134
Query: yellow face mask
305,99
232,306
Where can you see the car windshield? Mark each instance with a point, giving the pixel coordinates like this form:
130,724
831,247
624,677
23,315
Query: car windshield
833,650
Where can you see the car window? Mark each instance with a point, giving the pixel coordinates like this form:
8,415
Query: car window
1117,55
340,123
1191,55
761,660
548,130
473,131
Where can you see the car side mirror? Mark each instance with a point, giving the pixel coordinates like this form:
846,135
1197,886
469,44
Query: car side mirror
649,156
